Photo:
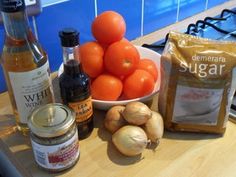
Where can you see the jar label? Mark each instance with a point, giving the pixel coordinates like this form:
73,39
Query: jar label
58,156
31,89
83,109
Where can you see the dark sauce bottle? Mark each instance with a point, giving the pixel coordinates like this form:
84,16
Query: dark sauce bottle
75,84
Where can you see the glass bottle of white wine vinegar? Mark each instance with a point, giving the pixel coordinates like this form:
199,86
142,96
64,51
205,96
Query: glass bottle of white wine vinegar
25,64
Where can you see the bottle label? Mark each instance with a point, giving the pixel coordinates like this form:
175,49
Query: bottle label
12,5
83,109
31,89
57,156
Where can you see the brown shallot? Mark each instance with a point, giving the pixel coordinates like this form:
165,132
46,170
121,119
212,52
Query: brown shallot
154,127
130,140
137,113
114,119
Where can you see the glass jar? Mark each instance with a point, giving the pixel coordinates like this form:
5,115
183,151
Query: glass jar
54,137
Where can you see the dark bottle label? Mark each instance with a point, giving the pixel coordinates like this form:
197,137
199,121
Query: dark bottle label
83,109
12,5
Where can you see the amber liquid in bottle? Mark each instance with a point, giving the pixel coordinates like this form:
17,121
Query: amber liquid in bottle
23,57
75,84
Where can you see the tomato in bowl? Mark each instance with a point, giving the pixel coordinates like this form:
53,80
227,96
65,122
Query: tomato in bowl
144,53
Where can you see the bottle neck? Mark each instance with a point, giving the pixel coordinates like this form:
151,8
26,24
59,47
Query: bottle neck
71,60
70,53
16,24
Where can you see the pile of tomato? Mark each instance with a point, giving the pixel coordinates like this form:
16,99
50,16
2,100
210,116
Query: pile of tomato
113,63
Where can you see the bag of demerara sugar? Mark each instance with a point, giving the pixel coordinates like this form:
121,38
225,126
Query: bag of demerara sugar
198,81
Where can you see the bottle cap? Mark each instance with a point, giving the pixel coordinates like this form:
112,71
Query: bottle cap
69,37
12,6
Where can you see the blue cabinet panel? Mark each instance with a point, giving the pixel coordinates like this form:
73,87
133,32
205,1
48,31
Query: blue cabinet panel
142,17
189,8
158,14
129,10
2,80
212,3
74,13
2,34
3,86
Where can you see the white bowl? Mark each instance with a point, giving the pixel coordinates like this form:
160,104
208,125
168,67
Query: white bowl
144,53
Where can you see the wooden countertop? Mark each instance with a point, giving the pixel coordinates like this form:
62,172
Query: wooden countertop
177,155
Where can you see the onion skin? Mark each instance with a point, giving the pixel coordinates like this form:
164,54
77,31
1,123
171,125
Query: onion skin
137,113
114,119
154,127
130,140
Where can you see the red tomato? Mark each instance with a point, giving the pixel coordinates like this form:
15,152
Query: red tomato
91,48
91,58
121,58
149,66
138,84
108,27
106,87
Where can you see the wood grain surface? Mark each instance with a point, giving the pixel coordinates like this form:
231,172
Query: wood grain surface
177,155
